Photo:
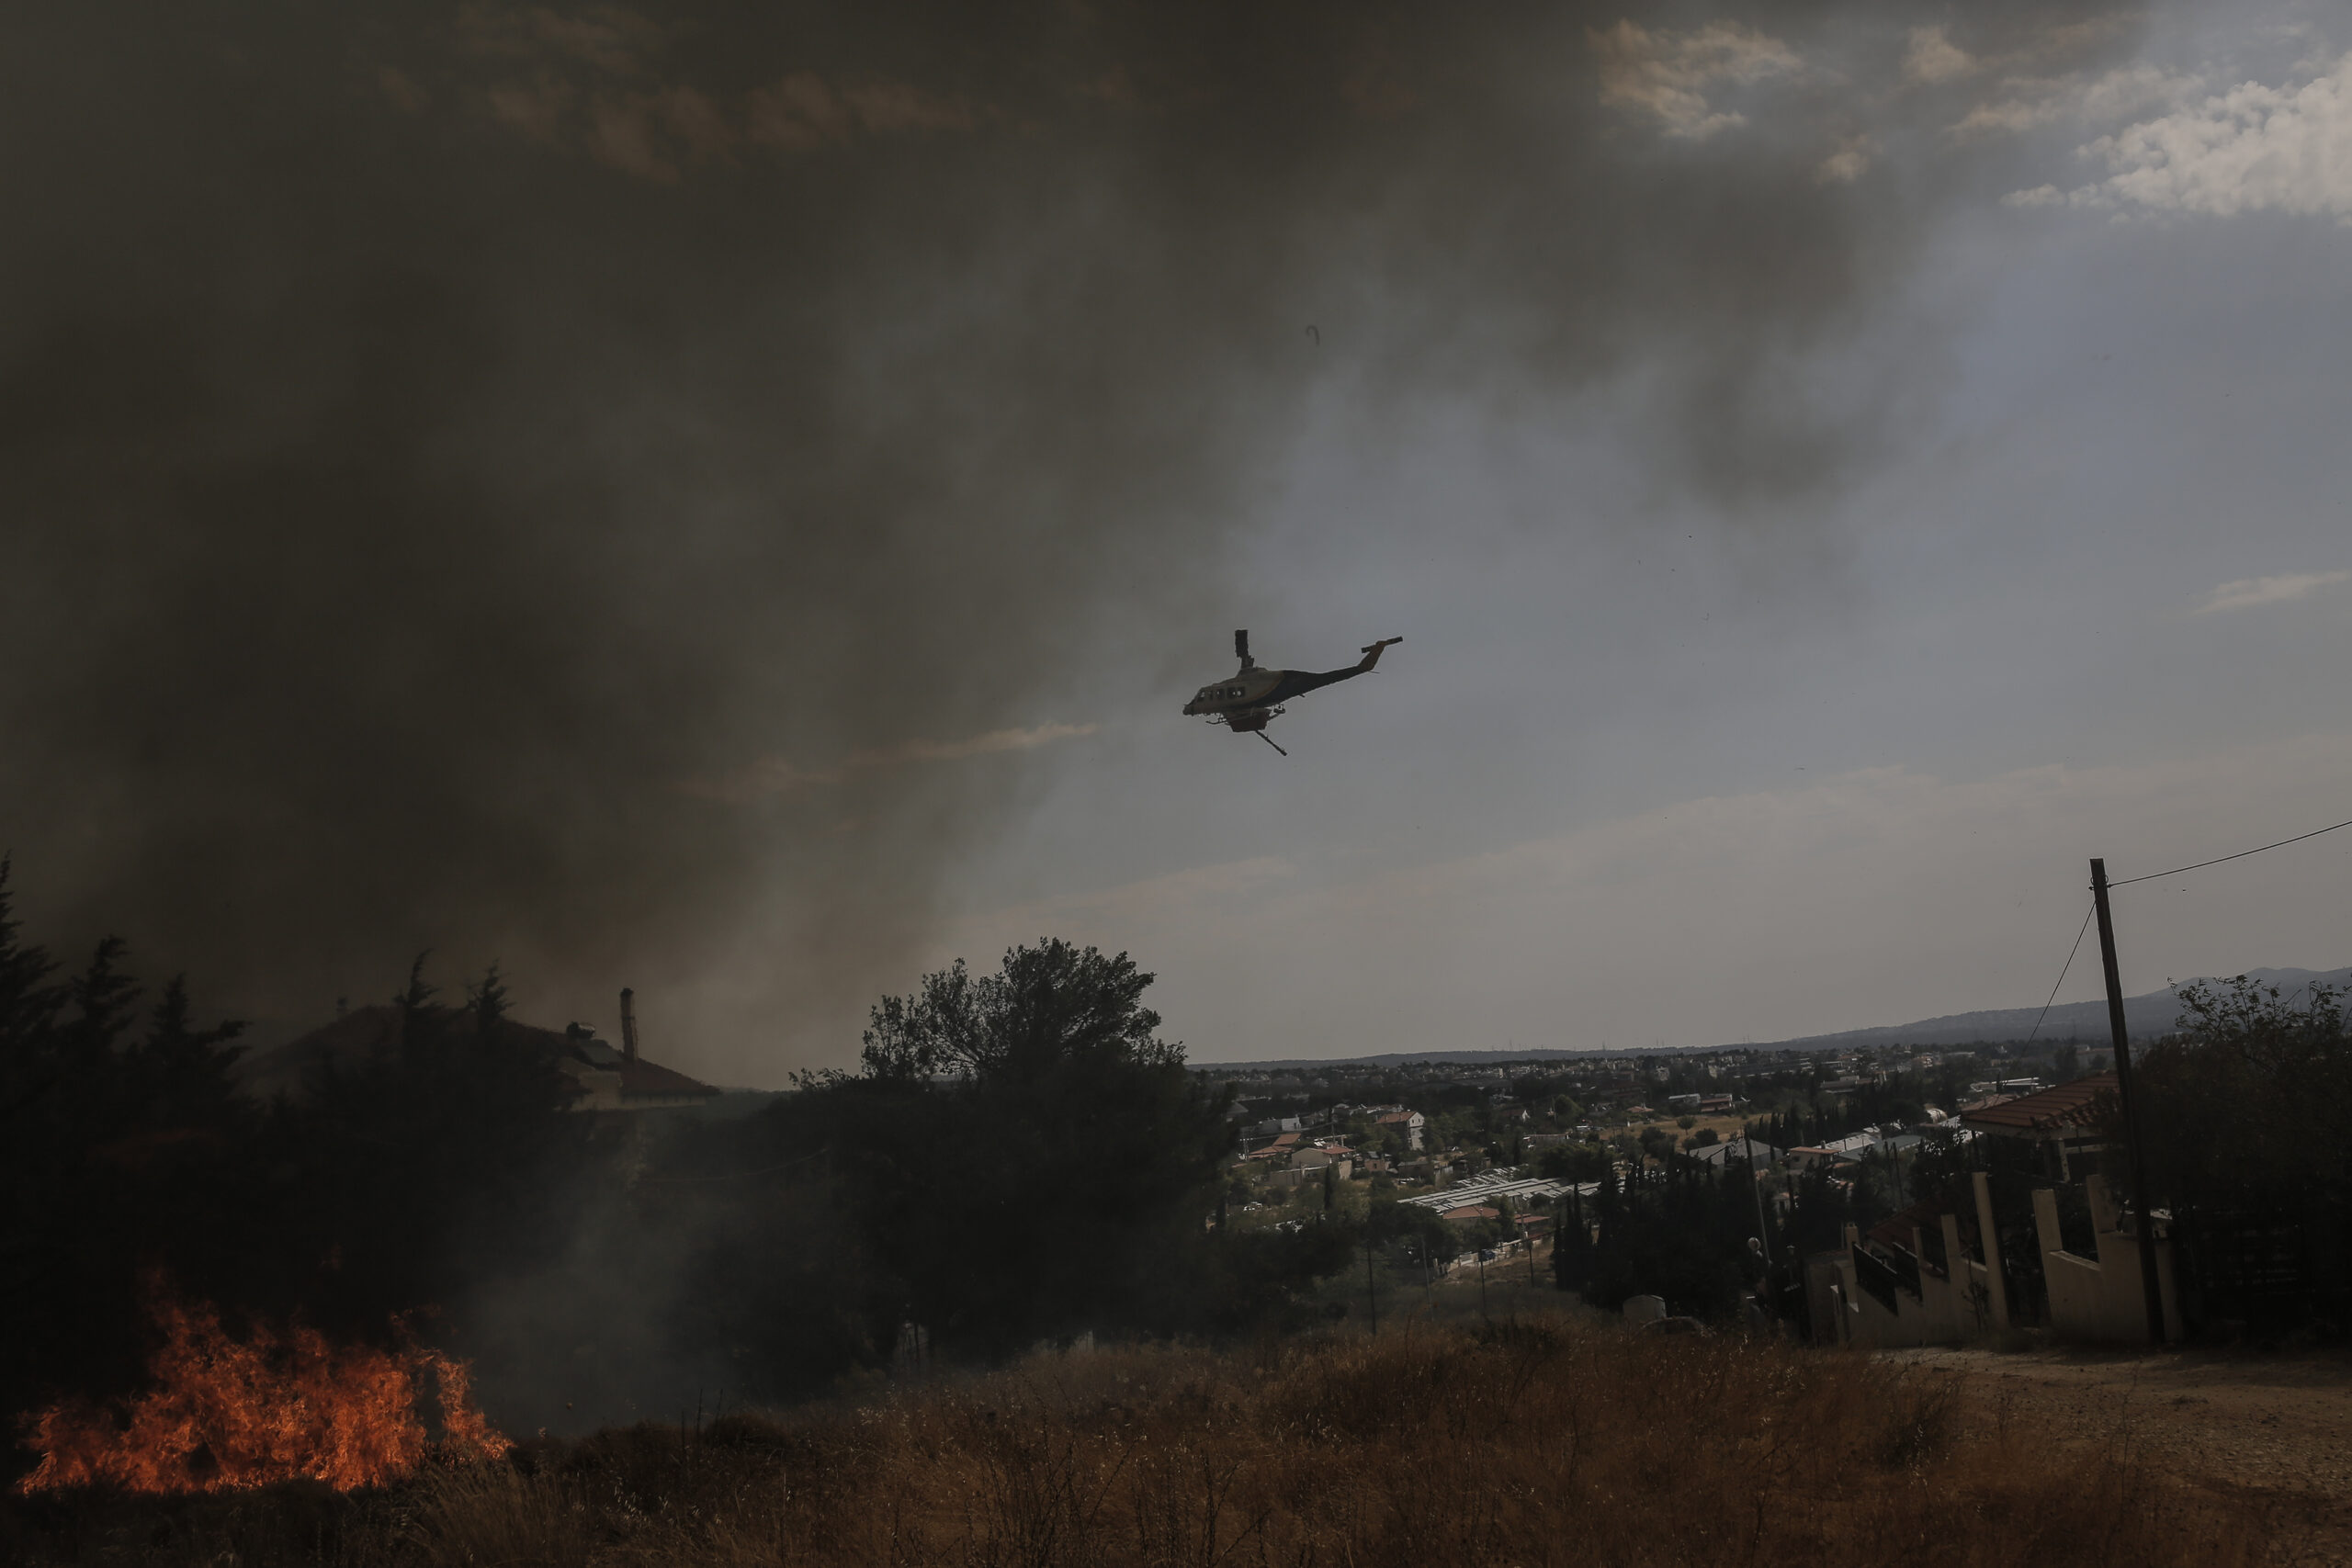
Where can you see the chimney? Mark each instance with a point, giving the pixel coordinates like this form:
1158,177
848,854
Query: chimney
629,1026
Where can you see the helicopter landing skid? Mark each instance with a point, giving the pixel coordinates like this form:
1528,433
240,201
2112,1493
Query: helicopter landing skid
1251,721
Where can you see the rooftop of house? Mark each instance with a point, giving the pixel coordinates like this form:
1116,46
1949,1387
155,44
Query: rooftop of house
357,1034
1851,1143
641,1079
1753,1150
2054,1111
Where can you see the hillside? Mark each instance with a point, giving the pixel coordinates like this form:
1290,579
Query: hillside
2147,1016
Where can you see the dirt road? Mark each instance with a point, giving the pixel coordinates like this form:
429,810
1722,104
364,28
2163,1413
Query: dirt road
2278,1425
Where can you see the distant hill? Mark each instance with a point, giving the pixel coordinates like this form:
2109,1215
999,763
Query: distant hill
1459,1058
2146,1016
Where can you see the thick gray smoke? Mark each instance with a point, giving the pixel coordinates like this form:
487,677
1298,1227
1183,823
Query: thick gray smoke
564,484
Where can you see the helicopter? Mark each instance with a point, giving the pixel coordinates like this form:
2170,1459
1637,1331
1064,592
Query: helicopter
1248,702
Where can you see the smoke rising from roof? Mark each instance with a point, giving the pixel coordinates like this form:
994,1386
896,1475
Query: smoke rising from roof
443,440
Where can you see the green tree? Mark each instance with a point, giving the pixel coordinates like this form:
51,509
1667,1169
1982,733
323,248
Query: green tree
1575,1162
1029,1160
445,1155
120,1149
2230,1103
1050,1008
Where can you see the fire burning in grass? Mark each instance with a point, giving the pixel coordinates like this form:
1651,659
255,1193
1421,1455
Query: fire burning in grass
225,1413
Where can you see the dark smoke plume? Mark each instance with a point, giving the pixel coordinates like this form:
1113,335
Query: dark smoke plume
617,490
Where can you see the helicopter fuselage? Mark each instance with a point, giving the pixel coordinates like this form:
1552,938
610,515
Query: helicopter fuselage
1246,701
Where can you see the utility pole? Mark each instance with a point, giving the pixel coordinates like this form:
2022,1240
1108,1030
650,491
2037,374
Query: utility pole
2140,1197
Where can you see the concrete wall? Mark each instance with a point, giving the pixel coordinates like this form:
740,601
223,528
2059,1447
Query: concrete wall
1948,1310
2103,1298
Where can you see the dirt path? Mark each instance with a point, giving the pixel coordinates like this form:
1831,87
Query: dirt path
2278,1425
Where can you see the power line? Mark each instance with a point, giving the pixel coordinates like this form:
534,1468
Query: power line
2061,973
2240,855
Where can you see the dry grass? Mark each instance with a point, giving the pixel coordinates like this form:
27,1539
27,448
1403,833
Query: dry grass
1540,1442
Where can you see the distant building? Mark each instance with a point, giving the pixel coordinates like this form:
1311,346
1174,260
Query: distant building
1754,1151
1836,1151
1408,1123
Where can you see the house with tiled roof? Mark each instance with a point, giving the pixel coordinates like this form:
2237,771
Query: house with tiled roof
2066,1122
609,1080
1278,1151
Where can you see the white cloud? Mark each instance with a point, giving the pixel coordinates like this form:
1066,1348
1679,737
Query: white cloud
2248,592
773,776
1932,57
1847,164
2029,103
2252,149
1668,75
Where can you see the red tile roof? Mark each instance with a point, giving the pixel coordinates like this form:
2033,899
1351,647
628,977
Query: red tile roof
351,1037
2076,1104
1472,1214
642,1079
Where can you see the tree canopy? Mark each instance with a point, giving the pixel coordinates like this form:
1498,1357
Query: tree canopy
1050,1007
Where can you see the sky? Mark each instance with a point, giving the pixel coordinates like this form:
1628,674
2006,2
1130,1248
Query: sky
731,502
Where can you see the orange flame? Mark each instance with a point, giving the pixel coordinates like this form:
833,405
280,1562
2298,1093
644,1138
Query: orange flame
225,1414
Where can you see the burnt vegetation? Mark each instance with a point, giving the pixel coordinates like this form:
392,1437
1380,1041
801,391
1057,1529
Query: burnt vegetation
1528,1442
